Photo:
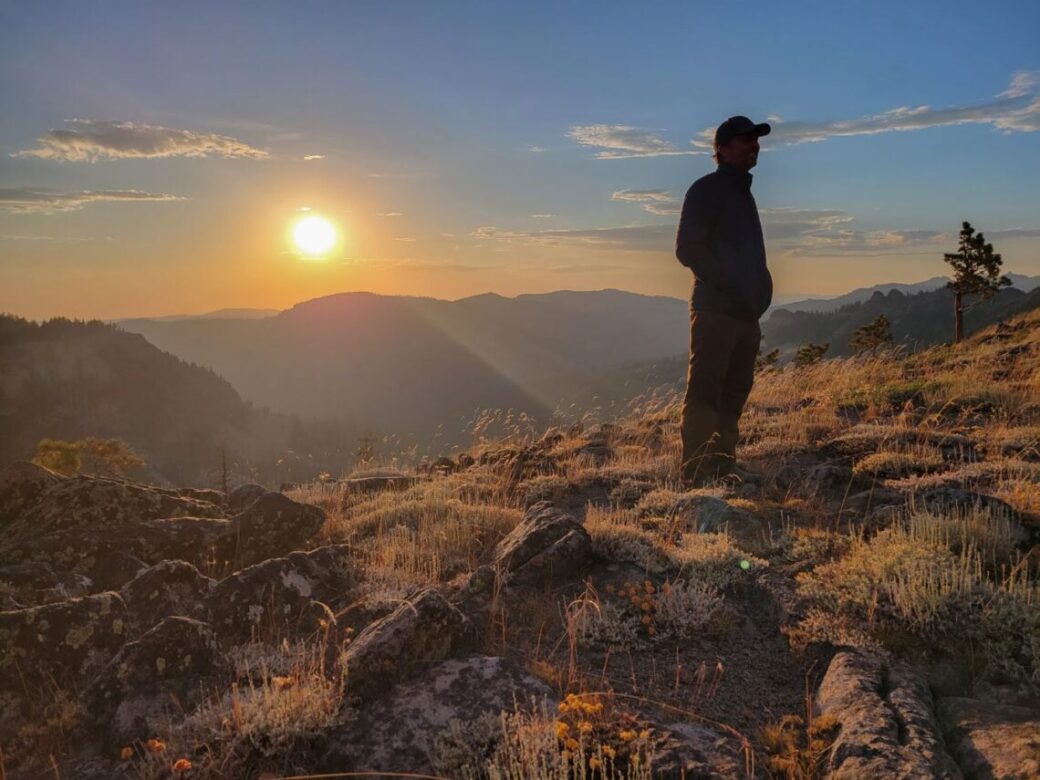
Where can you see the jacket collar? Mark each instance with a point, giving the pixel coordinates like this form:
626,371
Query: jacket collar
732,171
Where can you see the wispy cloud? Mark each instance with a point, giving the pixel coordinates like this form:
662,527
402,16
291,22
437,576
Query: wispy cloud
536,149
35,200
405,239
89,140
660,202
389,214
10,237
314,157
624,238
1016,109
542,216
619,142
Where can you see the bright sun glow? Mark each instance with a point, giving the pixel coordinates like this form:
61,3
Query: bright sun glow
314,235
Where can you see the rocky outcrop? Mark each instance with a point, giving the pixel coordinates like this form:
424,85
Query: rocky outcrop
695,750
162,670
406,730
288,593
888,728
80,524
54,645
271,526
21,486
244,495
548,547
165,589
992,740
424,629
34,583
103,505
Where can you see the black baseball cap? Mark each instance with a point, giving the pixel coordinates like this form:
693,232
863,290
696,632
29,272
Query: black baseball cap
739,125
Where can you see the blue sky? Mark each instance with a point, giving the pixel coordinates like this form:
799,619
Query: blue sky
893,122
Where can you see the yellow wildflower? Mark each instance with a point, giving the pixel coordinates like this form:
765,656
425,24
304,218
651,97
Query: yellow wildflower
281,683
155,745
633,760
565,755
585,727
609,752
571,744
595,763
561,729
126,753
181,765
627,735
644,734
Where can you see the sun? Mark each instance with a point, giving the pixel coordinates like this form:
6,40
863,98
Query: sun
314,235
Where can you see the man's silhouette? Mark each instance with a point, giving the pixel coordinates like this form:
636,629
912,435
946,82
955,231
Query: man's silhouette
720,240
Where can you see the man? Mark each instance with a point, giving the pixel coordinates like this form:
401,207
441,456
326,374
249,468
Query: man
720,240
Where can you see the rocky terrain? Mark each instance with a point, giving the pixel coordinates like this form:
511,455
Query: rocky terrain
864,602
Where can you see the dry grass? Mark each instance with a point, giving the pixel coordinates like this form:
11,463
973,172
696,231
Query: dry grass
281,697
425,535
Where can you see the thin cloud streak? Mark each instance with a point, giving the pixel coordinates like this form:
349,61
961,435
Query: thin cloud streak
1016,109
624,141
90,140
30,200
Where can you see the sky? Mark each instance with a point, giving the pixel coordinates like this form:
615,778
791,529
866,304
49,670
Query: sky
155,156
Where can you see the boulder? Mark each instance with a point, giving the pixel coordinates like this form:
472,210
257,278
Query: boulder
33,583
547,547
244,495
992,740
424,629
22,484
149,678
200,540
696,750
280,595
103,505
114,570
55,645
709,515
272,525
888,728
160,591
407,730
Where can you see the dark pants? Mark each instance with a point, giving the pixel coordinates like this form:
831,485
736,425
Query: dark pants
722,369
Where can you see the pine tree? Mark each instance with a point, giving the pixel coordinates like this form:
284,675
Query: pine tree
871,337
976,271
767,361
808,354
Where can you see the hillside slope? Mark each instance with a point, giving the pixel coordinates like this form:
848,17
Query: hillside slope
69,380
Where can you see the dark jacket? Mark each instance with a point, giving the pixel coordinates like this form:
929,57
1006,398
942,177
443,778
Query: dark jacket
720,239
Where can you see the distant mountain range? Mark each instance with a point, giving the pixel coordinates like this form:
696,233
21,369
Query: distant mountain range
423,367
1019,281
